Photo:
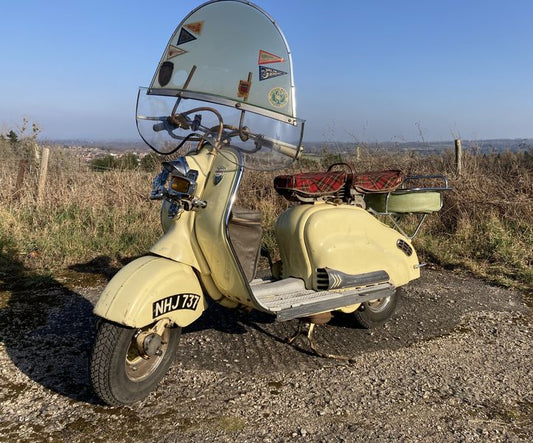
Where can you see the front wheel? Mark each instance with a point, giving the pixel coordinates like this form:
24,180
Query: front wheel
376,312
120,373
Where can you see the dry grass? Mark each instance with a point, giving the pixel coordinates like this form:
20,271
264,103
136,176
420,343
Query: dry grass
83,214
485,225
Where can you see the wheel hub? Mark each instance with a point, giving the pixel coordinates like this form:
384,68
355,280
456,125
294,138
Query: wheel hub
378,305
146,351
152,345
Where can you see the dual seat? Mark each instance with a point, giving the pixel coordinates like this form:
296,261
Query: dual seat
388,193
336,184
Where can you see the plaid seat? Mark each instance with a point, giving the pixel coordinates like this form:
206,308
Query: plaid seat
309,185
378,181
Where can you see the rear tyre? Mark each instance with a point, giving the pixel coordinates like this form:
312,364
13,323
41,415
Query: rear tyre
119,374
372,314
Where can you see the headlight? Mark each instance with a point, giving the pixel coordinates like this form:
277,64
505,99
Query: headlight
182,185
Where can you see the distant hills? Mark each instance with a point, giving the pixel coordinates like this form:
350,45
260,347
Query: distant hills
481,146
108,145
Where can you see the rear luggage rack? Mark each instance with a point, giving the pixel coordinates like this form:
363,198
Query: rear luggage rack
425,197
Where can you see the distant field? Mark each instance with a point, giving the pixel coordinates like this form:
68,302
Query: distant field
314,147
486,225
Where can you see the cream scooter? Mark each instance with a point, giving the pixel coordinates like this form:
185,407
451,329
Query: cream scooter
222,100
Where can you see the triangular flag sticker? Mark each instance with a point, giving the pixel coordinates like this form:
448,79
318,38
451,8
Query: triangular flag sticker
266,58
195,28
266,72
185,37
174,51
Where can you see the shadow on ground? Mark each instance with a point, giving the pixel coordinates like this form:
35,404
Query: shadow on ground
48,327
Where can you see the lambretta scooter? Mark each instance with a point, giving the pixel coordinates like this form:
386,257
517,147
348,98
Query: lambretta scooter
222,100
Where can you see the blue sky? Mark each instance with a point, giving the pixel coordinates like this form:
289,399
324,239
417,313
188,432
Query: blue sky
377,70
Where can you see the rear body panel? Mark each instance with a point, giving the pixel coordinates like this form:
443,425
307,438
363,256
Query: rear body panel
345,238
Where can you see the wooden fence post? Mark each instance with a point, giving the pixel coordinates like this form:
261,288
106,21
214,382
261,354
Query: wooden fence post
36,153
43,171
458,157
20,178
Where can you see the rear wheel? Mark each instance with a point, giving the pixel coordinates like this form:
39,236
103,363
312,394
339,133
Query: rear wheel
120,372
376,312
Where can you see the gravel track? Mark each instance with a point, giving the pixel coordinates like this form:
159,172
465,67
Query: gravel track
454,364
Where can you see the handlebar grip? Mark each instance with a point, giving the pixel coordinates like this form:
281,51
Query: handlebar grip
281,147
166,125
160,126
173,122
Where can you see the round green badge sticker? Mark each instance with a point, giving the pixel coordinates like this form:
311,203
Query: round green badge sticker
278,97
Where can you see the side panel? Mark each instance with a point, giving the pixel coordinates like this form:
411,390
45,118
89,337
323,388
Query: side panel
345,238
151,288
290,238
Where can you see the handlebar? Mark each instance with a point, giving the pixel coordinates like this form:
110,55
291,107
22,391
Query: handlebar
277,145
182,121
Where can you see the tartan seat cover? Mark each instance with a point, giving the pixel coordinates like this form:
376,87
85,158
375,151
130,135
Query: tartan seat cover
378,181
312,184
321,184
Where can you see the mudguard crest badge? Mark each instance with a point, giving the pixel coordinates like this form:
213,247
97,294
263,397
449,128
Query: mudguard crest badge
219,174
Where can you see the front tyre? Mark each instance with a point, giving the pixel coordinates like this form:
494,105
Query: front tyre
376,312
119,373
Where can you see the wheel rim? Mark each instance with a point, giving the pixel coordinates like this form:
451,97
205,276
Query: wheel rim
378,305
139,368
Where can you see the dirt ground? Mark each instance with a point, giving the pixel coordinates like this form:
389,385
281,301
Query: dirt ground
454,364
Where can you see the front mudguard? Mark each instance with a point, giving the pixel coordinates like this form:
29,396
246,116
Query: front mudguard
151,288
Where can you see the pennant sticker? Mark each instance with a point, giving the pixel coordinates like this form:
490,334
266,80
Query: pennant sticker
174,51
265,73
195,28
267,57
185,37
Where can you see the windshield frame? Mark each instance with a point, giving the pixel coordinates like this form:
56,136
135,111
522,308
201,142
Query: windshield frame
220,100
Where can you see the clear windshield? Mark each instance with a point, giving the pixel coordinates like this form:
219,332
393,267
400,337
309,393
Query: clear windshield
233,52
171,125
